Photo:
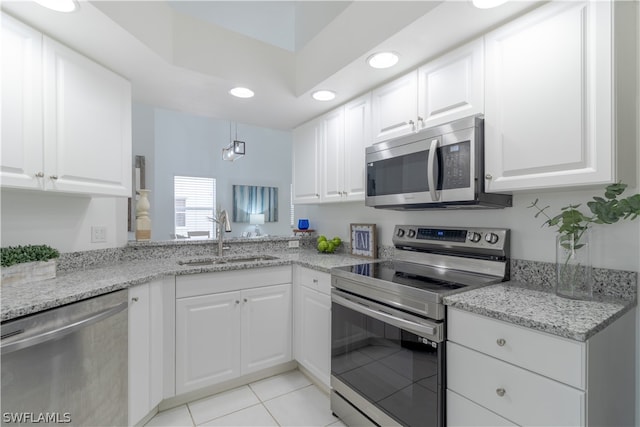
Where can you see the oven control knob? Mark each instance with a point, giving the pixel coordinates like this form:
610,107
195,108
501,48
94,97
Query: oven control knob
412,233
491,238
474,237
400,232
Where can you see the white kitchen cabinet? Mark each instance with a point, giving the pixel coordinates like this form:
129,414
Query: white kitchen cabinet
357,137
328,154
495,370
312,330
345,133
266,327
146,342
332,147
207,340
557,82
448,88
306,162
394,108
22,156
230,324
66,119
452,86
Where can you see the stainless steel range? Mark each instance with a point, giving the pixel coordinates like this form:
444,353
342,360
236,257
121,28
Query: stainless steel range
388,322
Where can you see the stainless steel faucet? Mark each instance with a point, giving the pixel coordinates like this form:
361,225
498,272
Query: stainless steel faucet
223,226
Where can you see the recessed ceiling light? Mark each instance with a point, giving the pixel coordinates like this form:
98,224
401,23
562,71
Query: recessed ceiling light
241,92
487,4
59,5
323,95
383,59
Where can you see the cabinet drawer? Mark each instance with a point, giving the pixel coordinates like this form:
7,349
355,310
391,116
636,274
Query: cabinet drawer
225,281
554,357
463,412
314,279
514,393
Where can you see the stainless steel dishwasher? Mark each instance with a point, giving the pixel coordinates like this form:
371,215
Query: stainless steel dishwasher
67,365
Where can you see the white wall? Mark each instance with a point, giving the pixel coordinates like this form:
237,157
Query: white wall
617,248
63,222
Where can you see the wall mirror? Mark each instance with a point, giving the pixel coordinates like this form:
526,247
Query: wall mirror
251,199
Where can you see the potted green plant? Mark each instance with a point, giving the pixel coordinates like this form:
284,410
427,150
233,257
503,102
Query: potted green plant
29,263
573,263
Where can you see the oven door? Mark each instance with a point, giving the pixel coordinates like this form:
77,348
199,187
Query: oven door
387,366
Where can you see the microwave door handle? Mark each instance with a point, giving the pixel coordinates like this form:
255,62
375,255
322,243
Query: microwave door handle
432,171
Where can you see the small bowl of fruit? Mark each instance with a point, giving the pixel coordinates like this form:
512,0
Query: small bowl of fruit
328,246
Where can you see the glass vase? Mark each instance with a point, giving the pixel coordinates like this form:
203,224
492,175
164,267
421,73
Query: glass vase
573,266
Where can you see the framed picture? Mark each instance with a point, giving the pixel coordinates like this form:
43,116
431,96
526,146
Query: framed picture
363,240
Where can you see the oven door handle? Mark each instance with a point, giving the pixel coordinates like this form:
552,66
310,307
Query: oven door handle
421,329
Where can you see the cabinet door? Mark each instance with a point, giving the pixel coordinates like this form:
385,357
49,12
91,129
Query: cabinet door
87,125
22,159
306,150
207,340
357,136
139,353
548,96
394,108
332,165
146,364
315,333
266,327
452,86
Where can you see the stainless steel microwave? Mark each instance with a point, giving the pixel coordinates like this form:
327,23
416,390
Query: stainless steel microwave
439,167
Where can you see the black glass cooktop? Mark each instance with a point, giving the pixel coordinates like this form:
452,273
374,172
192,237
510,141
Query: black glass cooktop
408,274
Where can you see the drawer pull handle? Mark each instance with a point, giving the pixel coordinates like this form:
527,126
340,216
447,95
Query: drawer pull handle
315,280
501,342
500,392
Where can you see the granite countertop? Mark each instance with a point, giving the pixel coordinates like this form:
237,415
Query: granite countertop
76,285
540,309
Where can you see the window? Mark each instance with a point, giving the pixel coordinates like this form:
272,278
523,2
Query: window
194,204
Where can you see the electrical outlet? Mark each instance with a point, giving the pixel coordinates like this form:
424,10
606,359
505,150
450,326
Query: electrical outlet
294,244
98,234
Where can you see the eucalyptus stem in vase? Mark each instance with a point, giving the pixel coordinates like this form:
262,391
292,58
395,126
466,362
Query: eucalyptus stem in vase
573,264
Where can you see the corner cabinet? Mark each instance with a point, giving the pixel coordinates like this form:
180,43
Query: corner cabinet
230,324
328,154
496,370
559,81
66,119
445,89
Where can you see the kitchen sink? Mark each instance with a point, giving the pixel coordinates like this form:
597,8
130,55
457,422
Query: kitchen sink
201,262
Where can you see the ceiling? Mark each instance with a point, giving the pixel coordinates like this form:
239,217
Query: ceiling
187,55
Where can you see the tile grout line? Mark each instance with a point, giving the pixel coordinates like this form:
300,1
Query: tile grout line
193,420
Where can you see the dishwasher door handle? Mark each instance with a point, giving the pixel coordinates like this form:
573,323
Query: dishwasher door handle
9,347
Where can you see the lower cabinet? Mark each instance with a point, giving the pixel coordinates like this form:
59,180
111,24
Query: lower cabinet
502,374
146,353
230,324
312,330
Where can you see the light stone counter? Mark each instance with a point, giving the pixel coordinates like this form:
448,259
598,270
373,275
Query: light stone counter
78,284
540,309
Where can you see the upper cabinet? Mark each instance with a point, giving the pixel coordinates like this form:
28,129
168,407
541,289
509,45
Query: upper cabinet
306,159
452,86
553,117
328,154
70,129
445,89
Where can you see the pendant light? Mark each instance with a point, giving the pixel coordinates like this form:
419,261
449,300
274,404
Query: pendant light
235,149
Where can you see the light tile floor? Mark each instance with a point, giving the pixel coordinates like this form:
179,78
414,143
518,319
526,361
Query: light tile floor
288,399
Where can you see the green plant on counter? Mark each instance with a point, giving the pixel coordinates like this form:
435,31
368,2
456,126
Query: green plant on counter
571,223
19,254
573,266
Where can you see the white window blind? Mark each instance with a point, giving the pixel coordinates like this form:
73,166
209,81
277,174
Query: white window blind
194,204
